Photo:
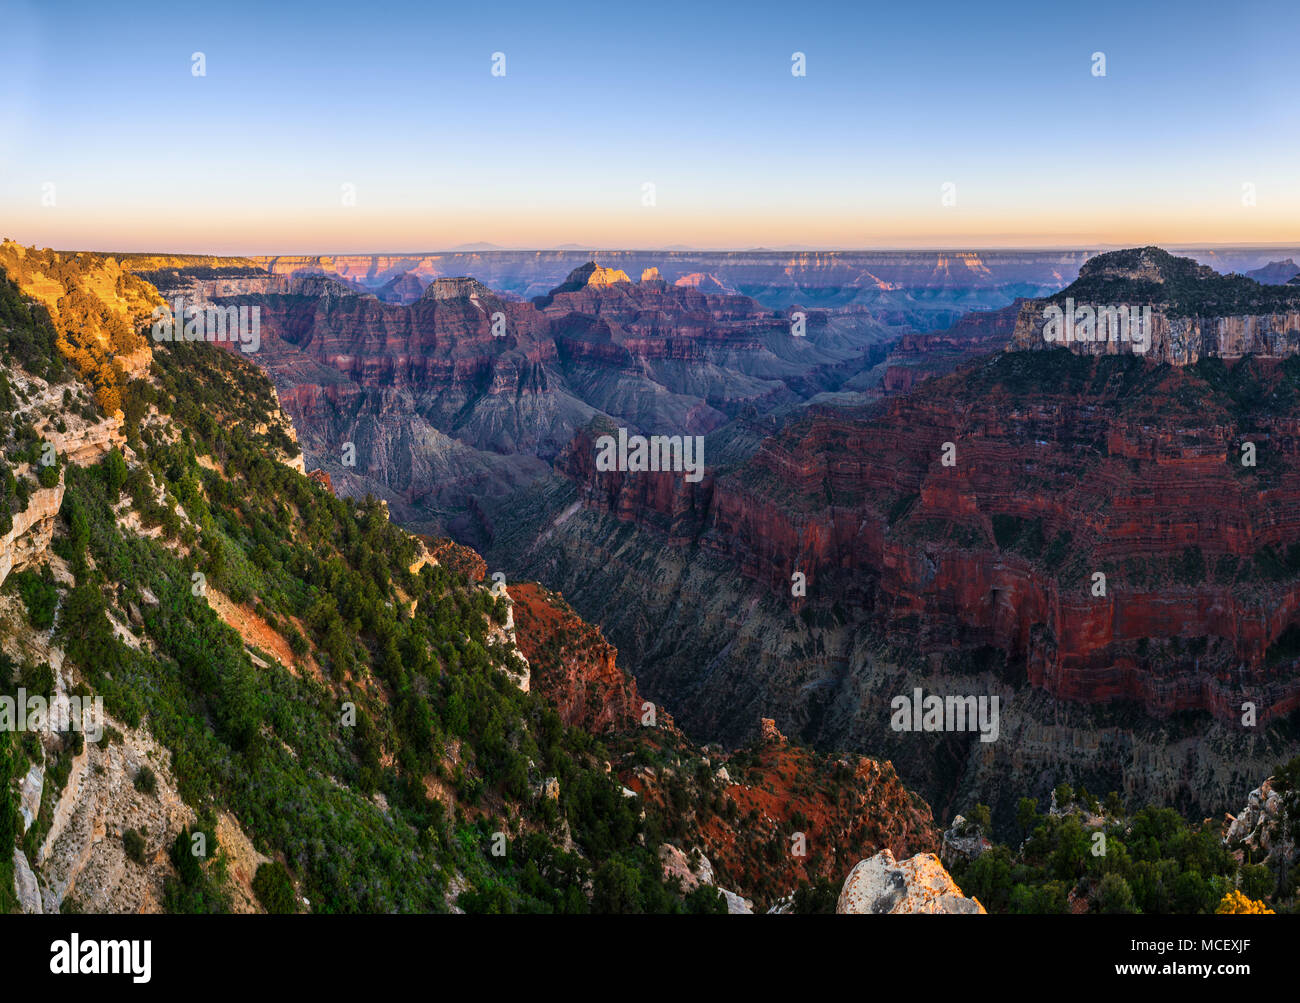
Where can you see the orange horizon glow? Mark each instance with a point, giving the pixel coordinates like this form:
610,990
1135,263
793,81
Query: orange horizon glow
358,231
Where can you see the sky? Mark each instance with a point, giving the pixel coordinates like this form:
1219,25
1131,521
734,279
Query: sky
323,127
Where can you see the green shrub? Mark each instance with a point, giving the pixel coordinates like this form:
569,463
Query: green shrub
134,845
273,889
145,781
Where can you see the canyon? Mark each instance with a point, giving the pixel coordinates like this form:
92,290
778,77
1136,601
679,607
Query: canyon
465,396
825,461
975,577
940,285
99,822
879,516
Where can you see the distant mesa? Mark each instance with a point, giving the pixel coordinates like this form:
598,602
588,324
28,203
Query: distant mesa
598,276
404,288
1276,273
461,287
705,282
651,274
590,275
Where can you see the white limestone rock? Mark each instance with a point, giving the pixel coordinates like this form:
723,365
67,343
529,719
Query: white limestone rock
919,884
737,906
26,885
678,866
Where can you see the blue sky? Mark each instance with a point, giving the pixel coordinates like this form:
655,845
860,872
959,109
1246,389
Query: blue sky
398,101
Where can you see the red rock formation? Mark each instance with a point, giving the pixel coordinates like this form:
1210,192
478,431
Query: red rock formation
462,559
572,665
824,814
921,357
1192,312
1065,467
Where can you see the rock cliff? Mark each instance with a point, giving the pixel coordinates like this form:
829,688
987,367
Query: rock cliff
462,396
1194,312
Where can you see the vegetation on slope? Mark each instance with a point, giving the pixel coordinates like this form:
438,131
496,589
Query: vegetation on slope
381,766
1182,287
95,308
1088,856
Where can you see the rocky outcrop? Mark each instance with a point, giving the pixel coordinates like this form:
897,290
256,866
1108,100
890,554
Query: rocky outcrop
83,853
26,886
1059,475
463,560
572,665
679,866
1181,341
30,788
690,872
87,444
962,841
75,439
1194,312
1257,827
28,540
919,884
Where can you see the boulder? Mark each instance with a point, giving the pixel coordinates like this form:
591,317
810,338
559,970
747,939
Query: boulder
919,884
737,906
1257,824
678,866
962,842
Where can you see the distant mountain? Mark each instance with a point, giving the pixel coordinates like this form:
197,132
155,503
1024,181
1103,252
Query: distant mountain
1275,272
